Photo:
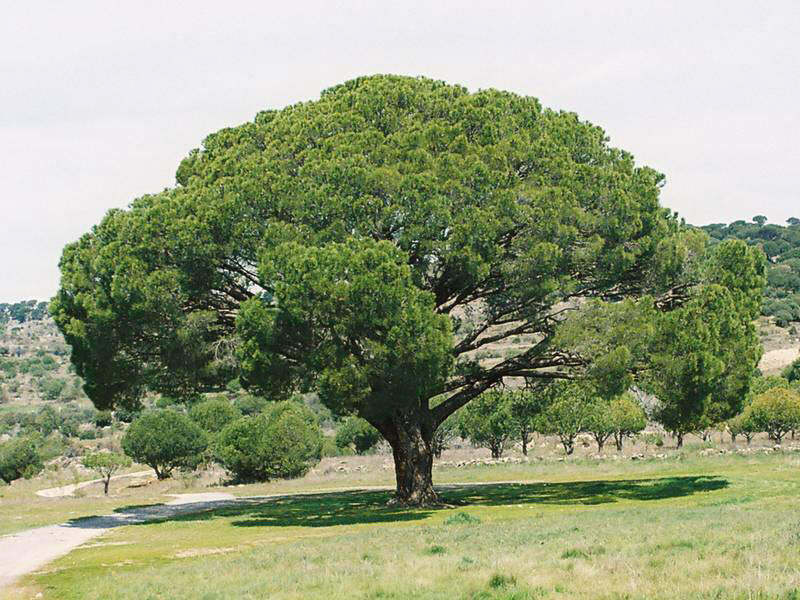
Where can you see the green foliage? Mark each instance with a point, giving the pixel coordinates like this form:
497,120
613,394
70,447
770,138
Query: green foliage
568,412
357,433
103,418
106,464
283,442
627,417
782,245
51,387
250,405
487,421
462,518
743,424
336,246
164,440
792,372
525,405
20,457
776,411
213,414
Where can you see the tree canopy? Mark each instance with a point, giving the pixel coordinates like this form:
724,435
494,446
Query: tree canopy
366,246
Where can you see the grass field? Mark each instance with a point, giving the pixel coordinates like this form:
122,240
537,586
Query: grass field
715,527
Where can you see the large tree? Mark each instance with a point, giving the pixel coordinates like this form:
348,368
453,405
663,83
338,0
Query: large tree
368,245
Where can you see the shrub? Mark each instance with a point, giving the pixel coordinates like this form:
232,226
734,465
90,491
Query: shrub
462,518
164,440
285,441
103,418
250,405
20,457
355,432
213,414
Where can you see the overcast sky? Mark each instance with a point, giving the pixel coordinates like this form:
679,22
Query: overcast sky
99,101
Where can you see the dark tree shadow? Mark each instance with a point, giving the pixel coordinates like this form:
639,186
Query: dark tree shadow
353,507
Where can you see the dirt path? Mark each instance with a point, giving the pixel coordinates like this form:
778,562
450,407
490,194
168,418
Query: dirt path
69,490
27,551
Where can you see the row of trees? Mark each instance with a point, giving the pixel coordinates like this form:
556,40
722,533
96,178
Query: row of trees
562,409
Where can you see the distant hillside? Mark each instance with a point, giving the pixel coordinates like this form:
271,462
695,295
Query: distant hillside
781,244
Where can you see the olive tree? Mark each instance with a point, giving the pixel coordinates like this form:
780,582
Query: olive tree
627,417
106,464
487,421
743,424
776,411
367,246
568,413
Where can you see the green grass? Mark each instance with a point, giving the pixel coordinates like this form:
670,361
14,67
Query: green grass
719,527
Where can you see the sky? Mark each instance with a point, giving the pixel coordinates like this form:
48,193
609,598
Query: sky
99,101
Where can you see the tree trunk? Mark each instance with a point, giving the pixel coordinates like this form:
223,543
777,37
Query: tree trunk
679,435
618,441
600,443
496,449
106,481
569,445
525,439
410,434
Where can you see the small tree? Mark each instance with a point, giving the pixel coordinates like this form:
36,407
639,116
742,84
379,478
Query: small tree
744,425
213,414
164,440
283,442
487,421
106,464
627,416
567,415
599,422
19,458
776,411
525,405
444,435
356,432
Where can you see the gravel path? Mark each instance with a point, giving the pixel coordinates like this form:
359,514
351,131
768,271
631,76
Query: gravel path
69,490
27,551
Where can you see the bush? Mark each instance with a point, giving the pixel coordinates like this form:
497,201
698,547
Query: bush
103,418
355,432
52,387
20,458
164,440
213,414
250,405
284,442
329,448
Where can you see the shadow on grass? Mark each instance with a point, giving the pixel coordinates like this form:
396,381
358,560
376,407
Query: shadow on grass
362,507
